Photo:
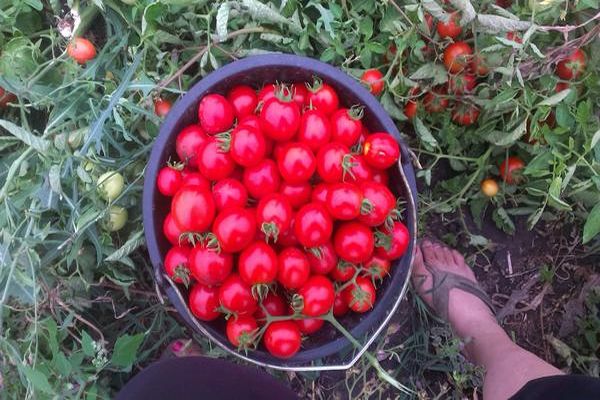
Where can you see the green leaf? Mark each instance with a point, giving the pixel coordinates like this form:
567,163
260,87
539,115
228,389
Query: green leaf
87,344
366,27
554,195
390,106
326,19
495,23
500,138
40,145
431,71
503,221
37,379
222,19
595,139
555,99
478,240
424,133
592,224
125,350
435,10
263,13
136,239
477,206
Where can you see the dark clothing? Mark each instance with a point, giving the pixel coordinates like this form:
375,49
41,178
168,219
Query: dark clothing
560,387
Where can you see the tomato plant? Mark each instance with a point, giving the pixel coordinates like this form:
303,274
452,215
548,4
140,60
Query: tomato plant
240,331
360,296
373,79
81,50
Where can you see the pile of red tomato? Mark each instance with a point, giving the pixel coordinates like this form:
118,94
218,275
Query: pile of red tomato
280,214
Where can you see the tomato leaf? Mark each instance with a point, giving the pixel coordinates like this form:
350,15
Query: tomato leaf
555,98
503,221
467,11
431,71
436,10
500,138
37,379
40,145
125,350
263,13
222,19
424,133
495,23
592,224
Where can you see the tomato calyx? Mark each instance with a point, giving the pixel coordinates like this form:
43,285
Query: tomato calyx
347,164
271,230
360,297
315,251
344,265
297,303
316,84
248,340
284,93
224,141
182,272
356,112
206,239
383,240
366,206
261,290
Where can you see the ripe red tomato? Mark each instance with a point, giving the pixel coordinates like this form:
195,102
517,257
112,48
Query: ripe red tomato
309,326
241,330
288,238
192,178
380,176
6,97
457,56
215,114
359,170
465,114
300,95
340,307
208,266
436,100
172,231
236,297
510,169
262,179
344,201
250,120
243,100
228,193
572,65
297,194
514,37
393,244
280,116
189,143
235,228
380,201
346,125
461,83
214,163
332,161
450,29
282,339
294,268
177,263
322,259
410,109
560,86
313,225
343,271
258,264
373,79
273,215
273,304
169,180
354,242
319,193
162,107
247,145
314,130
266,93
296,163
193,209
360,296
381,150
323,97
81,50
317,295
204,302
377,267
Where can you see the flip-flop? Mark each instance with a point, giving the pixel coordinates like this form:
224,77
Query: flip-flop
444,281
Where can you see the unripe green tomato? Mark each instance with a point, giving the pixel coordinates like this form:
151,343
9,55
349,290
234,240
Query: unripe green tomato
117,217
110,185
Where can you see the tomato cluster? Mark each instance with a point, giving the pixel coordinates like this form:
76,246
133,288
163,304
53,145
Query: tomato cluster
280,212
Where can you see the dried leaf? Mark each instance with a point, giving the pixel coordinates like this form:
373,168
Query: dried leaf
468,13
436,10
555,98
222,20
494,24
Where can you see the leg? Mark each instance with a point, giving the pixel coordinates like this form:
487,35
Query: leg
508,366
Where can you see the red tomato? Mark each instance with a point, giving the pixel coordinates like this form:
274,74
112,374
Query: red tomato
354,242
193,209
373,79
381,150
288,238
247,146
81,50
323,97
258,264
317,295
393,244
215,114
280,116
296,163
465,114
177,263
300,95
450,29
313,225
461,83
266,93
514,37
309,326
380,201
162,107
572,65
346,126
380,176
332,161
479,65
241,330
343,271
314,130
210,267
294,268
189,143
243,100
214,163
410,109
228,193
250,120
169,180
436,100
457,56
273,304
377,267
273,215
297,194
510,169
322,259
6,97
262,179
344,201
192,178
236,297
282,339
172,231
235,228
204,302
319,193
340,307
360,296
560,86
359,170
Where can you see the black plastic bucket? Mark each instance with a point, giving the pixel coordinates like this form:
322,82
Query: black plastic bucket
324,349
